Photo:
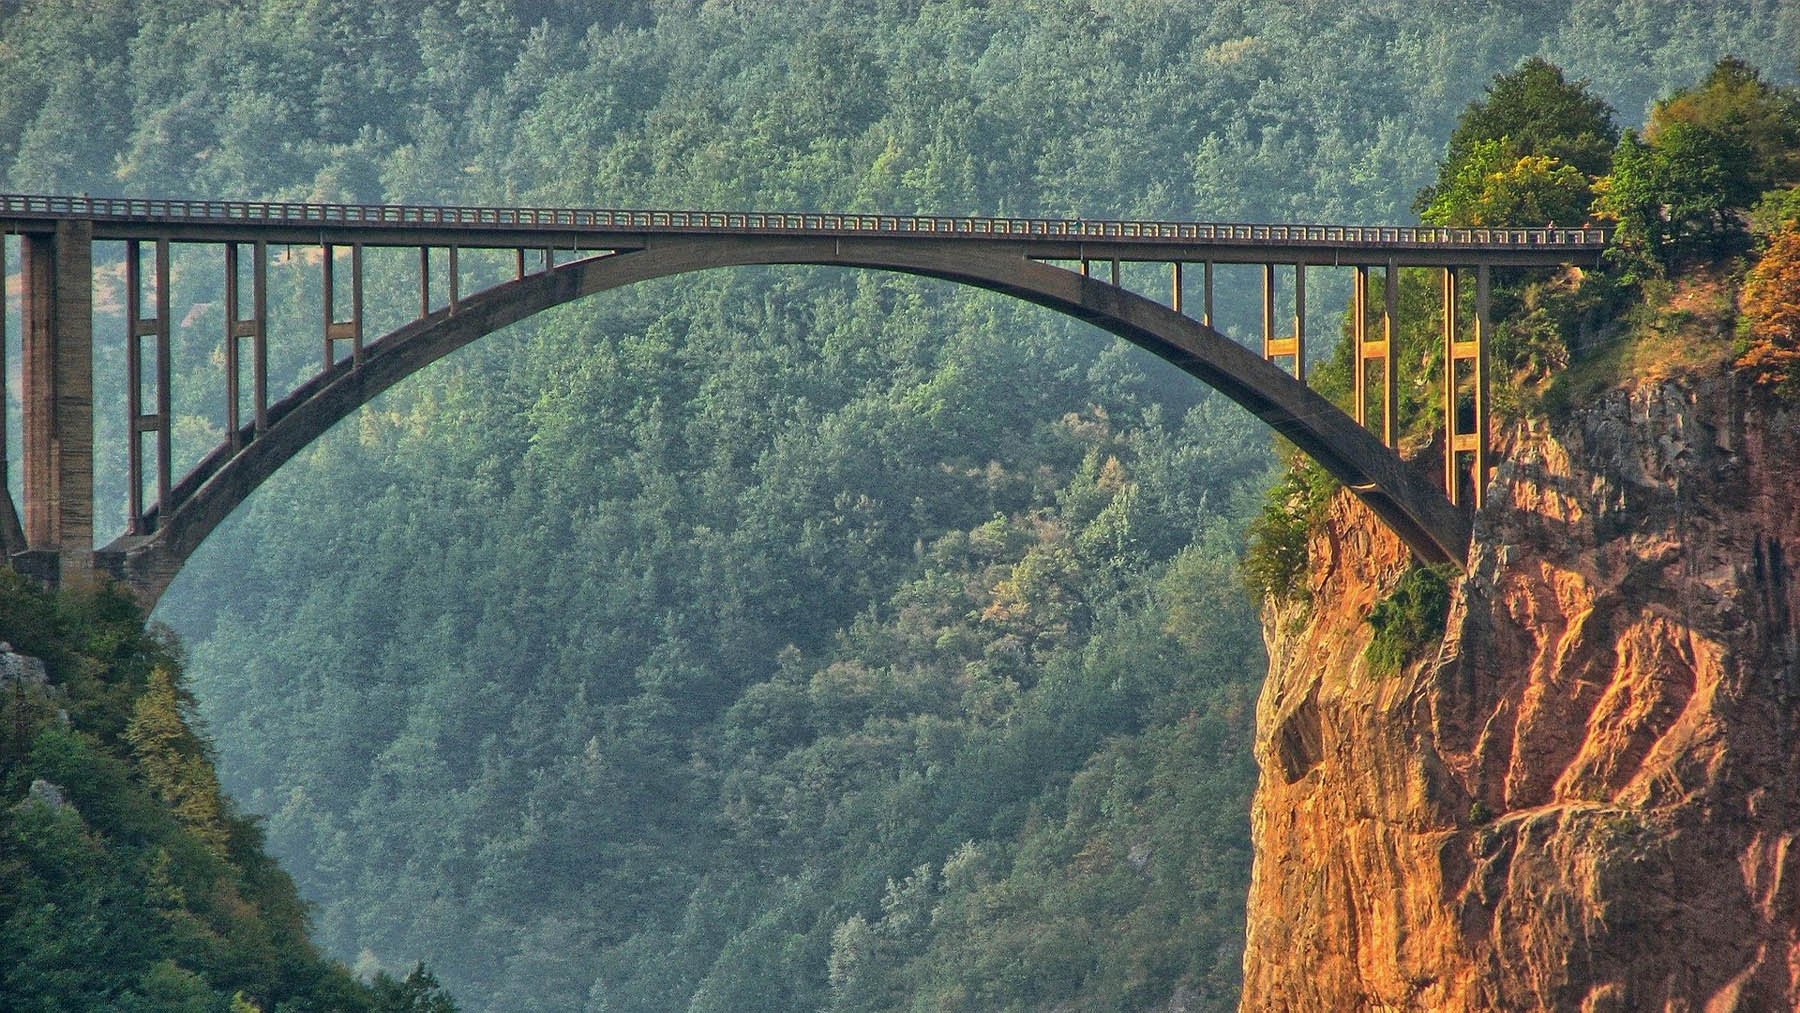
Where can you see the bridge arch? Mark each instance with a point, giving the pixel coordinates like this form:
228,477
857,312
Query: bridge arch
1413,507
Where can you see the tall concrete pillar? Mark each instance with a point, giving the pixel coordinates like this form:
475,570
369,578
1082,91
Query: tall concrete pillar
58,395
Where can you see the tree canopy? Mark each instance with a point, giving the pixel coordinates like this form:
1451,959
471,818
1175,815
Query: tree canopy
1710,153
1760,120
1539,111
1524,153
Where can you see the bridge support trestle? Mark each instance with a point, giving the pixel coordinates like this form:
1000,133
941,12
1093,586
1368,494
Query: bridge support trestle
1294,344
351,328
152,421
1466,393
237,328
1382,350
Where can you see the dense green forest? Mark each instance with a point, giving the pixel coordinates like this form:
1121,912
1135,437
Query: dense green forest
772,639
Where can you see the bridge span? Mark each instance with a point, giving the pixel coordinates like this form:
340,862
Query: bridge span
563,254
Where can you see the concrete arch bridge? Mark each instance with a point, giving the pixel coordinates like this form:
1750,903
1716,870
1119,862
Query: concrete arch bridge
563,254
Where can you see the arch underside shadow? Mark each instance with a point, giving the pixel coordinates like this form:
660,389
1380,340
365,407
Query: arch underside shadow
1412,506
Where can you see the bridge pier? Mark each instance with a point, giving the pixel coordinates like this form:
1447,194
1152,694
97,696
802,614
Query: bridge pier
58,396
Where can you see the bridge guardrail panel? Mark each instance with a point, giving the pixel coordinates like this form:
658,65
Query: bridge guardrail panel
1134,230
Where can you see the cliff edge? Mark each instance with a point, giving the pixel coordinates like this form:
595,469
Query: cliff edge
1587,795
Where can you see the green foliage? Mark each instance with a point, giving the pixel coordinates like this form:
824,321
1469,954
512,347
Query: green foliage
174,761
1680,192
1491,188
1275,563
1206,607
1631,197
1541,112
1409,619
1524,153
131,883
1761,119
418,992
1776,211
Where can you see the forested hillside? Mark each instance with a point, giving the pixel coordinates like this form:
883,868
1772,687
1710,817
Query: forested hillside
771,639
128,881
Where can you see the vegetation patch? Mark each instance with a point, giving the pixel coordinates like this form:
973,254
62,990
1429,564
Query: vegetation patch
1772,314
1678,327
1409,618
132,883
1275,559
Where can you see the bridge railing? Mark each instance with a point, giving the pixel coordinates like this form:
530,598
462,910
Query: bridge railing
598,219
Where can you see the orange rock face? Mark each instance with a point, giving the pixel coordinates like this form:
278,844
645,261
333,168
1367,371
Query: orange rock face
1587,797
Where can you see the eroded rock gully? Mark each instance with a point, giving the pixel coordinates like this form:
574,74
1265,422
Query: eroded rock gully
1588,796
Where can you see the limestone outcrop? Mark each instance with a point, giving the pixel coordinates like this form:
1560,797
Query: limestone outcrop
1587,796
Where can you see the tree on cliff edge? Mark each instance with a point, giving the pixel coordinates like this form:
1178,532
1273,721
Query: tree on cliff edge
1524,154
1772,310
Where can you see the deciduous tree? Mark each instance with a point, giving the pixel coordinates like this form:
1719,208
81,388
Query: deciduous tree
1534,110
1772,309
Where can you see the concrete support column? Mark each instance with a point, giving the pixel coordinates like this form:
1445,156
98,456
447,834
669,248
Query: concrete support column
12,532
58,395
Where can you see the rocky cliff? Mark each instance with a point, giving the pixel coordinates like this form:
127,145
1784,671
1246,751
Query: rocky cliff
1587,796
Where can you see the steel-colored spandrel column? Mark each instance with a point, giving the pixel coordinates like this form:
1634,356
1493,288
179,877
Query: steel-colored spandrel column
356,294
141,419
350,329
1206,298
233,425
1465,381
1175,286
1452,477
134,388
1268,311
1359,337
1483,333
1294,344
1373,349
455,282
424,281
165,453
259,342
237,328
1390,323
329,263
1115,272
1300,322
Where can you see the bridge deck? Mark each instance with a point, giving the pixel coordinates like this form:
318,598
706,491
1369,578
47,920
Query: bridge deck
604,229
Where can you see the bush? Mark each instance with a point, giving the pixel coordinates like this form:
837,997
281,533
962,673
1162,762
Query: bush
1778,210
1275,560
1408,619
1772,313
